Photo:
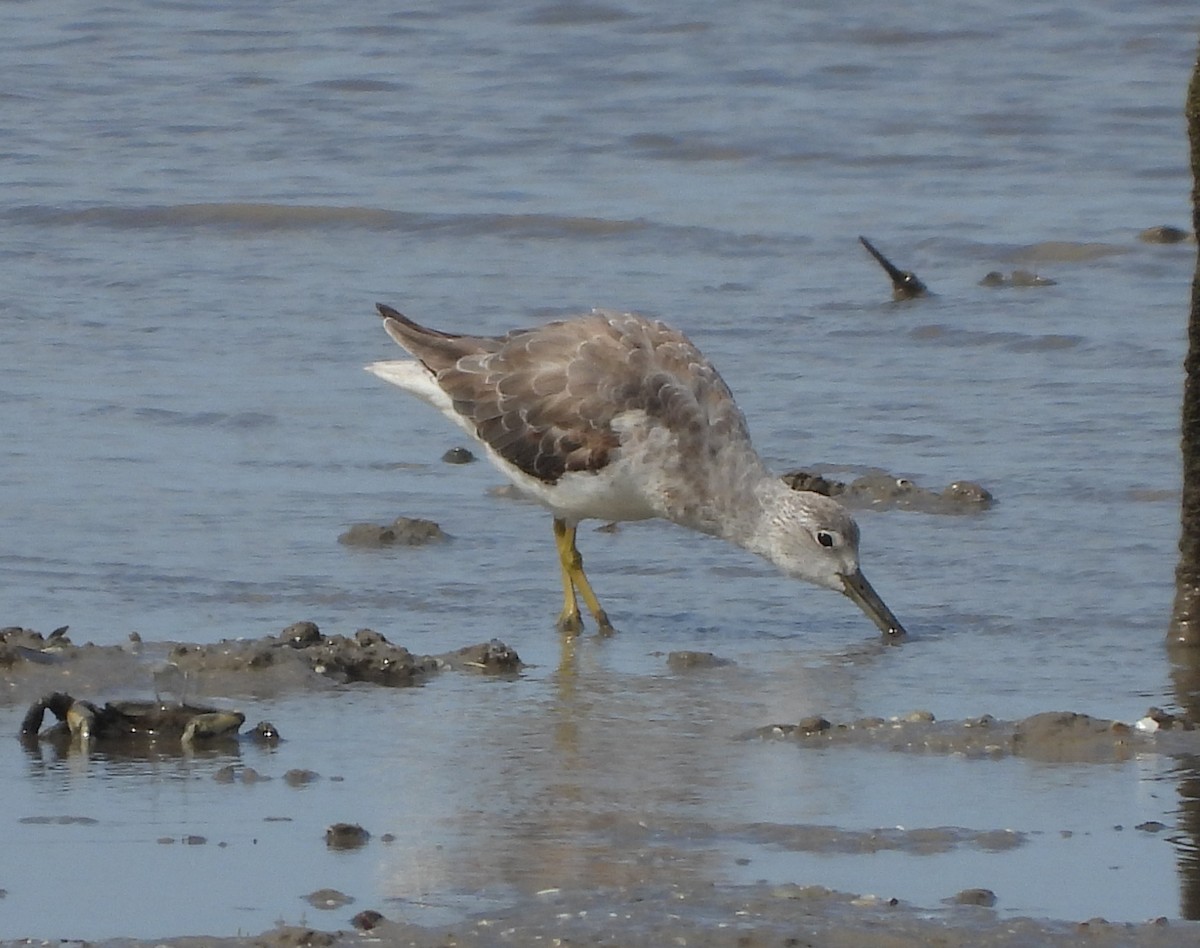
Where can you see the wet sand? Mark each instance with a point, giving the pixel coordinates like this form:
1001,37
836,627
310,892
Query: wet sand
657,905
744,917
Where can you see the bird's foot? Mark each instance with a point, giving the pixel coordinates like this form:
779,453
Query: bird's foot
570,623
603,626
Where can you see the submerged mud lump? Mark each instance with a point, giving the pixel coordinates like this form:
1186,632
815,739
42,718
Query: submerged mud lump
1052,736
403,531
326,899
685,660
1018,278
234,773
983,897
300,777
879,490
1164,234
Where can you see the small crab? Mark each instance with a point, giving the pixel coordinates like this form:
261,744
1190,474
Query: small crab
127,721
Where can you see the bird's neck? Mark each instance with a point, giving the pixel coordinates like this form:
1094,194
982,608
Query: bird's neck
734,508
755,528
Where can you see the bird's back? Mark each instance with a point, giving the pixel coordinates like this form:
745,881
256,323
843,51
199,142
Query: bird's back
568,396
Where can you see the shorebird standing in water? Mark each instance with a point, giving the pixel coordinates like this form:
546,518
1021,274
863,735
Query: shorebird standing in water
613,416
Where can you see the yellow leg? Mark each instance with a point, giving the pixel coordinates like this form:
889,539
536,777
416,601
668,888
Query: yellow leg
575,579
569,620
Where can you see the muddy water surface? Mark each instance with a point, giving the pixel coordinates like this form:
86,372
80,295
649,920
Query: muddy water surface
484,790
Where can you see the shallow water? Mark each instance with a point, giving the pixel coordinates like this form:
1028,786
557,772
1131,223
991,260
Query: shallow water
200,211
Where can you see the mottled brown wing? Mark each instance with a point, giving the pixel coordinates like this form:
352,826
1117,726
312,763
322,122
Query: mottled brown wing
545,399
682,390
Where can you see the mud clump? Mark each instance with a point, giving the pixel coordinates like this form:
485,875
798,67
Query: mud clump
1064,736
367,656
19,646
493,656
1051,737
300,656
812,725
817,483
265,734
881,491
366,920
459,455
346,836
302,634
403,531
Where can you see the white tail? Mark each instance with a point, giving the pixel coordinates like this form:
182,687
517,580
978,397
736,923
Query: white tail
417,380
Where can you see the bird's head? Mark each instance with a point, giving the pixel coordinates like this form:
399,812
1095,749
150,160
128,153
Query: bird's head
812,537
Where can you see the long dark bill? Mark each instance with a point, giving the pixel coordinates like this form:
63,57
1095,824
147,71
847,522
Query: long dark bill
893,271
863,593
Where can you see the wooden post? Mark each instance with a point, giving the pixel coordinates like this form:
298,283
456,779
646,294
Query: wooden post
1184,629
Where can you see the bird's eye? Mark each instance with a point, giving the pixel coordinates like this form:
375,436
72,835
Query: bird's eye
825,538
